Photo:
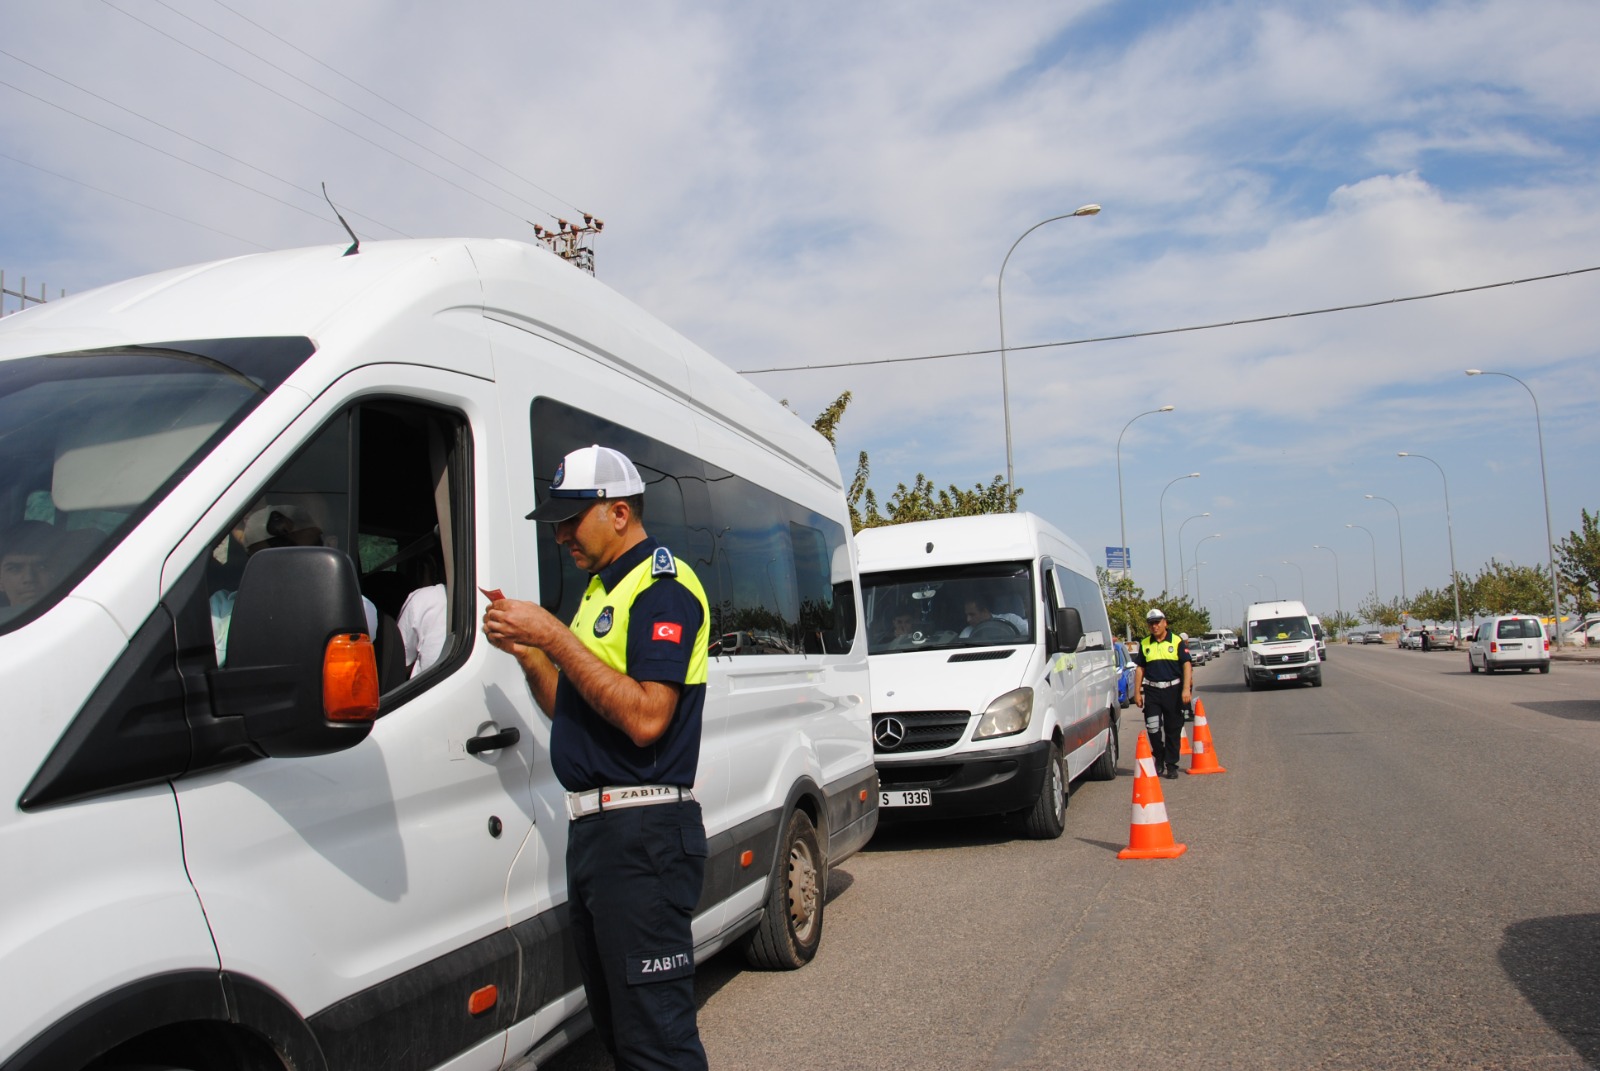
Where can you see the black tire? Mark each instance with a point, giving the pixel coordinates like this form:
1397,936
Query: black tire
1048,817
1472,667
1249,683
1545,668
1105,767
790,930
1487,668
1316,682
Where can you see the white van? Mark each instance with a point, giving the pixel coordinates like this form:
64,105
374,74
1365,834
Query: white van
1320,635
1282,645
253,864
994,682
1229,639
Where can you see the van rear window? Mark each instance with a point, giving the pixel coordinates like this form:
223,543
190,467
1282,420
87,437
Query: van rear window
1522,628
90,441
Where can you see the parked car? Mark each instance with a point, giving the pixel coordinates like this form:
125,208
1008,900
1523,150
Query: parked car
1199,653
1582,633
1513,641
1438,639
1410,639
1371,636
1125,669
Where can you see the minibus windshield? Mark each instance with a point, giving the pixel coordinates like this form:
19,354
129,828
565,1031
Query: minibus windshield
90,441
1280,629
986,605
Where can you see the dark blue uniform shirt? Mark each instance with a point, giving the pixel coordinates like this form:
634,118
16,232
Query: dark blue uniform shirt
587,751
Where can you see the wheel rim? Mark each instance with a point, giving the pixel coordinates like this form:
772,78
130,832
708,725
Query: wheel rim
1058,791
805,892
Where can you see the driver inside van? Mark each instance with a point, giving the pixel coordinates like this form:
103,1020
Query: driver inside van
979,612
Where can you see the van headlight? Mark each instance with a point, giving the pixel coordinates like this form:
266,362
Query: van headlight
1006,716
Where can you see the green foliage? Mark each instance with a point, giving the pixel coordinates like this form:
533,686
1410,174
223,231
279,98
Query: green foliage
1440,605
924,500
1578,559
1505,588
1337,624
1386,614
1127,603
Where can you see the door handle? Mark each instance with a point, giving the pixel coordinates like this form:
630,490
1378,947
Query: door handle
503,739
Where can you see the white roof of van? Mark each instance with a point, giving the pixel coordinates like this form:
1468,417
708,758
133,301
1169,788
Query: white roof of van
959,540
401,290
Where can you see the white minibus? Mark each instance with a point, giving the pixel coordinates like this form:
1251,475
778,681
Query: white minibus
994,682
221,851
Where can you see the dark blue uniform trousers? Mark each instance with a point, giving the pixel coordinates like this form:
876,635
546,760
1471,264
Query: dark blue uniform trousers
1163,720
633,880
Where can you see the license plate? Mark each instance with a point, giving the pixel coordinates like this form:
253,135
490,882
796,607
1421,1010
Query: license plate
1286,676
914,797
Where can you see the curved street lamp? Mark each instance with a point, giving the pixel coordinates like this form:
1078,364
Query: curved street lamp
1549,533
1404,598
1338,595
1166,584
1181,574
1302,573
1449,531
1197,562
1264,576
1374,540
1005,387
1121,516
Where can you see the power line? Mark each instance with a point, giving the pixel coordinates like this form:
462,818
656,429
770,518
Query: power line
324,93
305,107
367,89
1171,330
130,200
175,133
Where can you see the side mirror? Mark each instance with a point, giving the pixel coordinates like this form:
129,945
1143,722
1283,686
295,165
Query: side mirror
301,670
1069,628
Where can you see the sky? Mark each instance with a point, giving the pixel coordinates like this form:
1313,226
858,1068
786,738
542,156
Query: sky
831,183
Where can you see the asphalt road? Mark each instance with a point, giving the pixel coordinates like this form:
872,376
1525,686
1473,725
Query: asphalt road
1400,869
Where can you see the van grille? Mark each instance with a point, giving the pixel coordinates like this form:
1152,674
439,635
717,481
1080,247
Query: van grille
900,732
1285,659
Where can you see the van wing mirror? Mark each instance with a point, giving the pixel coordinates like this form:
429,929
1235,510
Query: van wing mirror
1069,628
301,670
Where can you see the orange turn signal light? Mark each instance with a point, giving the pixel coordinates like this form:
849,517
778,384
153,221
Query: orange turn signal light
482,1000
350,678
747,858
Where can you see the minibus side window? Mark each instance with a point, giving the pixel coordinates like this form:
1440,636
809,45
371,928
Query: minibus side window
386,481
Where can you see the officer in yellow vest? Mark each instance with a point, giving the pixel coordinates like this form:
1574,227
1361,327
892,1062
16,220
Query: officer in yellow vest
1162,667
625,688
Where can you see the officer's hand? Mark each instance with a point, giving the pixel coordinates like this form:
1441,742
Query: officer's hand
1138,699
509,623
1186,697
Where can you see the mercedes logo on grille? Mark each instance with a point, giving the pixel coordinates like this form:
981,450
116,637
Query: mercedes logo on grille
889,733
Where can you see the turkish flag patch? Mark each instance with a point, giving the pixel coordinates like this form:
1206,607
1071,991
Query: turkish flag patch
666,630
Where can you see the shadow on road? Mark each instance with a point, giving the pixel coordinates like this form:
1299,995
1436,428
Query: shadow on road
1555,962
1571,709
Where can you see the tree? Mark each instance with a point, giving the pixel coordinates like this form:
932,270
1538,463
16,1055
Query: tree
1431,605
1126,604
1386,614
1506,588
1336,623
924,500
1578,559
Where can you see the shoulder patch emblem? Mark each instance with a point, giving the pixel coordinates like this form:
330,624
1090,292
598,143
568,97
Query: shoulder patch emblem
662,564
602,624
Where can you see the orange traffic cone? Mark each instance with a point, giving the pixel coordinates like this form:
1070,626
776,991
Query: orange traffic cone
1204,759
1184,748
1150,835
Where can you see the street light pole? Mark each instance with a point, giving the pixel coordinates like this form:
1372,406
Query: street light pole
1183,588
1449,531
1005,386
1122,517
1275,597
1549,533
1338,595
1302,572
1401,531
1197,562
1166,582
1374,540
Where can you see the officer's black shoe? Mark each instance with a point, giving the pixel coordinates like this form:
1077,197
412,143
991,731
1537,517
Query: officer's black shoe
1170,773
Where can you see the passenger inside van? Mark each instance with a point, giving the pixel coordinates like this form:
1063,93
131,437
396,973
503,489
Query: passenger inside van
25,565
